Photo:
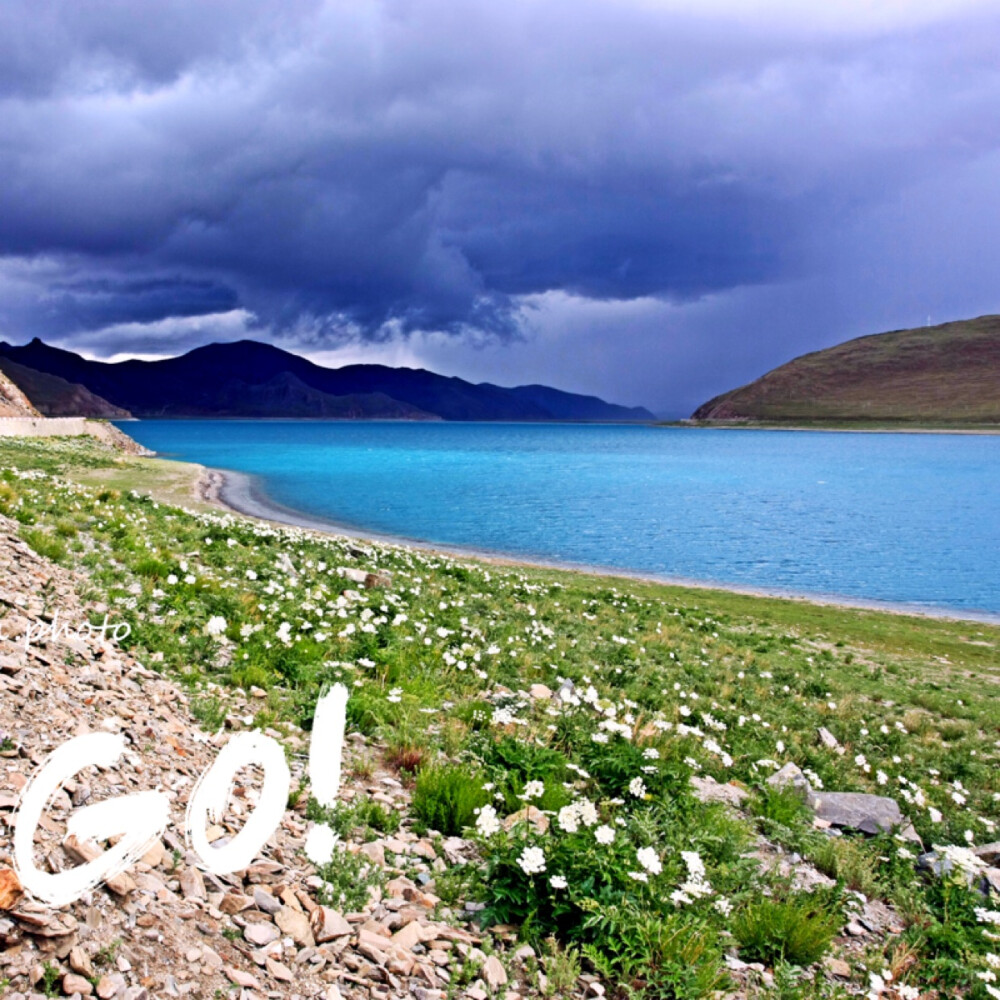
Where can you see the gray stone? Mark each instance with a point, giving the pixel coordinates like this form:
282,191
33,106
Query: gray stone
707,789
990,883
989,853
827,738
265,901
791,777
260,935
869,814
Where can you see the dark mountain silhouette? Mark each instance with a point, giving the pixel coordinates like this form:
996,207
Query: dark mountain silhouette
251,379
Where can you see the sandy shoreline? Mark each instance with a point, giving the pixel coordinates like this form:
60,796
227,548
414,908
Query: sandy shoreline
236,492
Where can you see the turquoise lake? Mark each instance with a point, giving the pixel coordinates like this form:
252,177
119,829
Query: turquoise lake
910,519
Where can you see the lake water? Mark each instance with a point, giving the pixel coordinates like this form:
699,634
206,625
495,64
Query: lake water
903,518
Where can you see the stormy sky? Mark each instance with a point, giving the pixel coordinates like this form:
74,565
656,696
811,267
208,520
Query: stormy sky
650,200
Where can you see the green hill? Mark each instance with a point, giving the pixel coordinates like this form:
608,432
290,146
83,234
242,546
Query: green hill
948,374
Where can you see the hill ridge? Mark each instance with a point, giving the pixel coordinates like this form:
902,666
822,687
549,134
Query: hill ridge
204,381
949,373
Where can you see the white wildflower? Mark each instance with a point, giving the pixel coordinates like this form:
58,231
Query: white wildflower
637,788
532,861
649,860
215,626
568,818
533,790
487,822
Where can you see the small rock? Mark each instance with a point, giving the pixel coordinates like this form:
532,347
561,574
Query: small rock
192,884
540,692
328,924
235,902
261,935
707,789
265,901
413,933
990,853
111,986
529,814
72,983
838,968
241,978
827,738
10,888
494,973
375,851
296,925
278,971
855,929
79,961
791,777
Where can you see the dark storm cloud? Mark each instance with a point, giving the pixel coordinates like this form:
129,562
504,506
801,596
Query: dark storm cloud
344,173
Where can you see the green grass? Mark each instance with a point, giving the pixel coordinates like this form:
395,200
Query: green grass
446,799
797,930
668,681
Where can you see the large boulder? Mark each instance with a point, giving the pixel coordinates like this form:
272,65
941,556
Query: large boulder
857,811
869,814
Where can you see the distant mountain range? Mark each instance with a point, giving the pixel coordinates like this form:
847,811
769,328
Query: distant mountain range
948,374
252,379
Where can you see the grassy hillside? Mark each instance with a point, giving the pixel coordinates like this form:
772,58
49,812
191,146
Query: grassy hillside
948,374
593,701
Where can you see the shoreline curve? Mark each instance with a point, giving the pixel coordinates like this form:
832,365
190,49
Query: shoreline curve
239,493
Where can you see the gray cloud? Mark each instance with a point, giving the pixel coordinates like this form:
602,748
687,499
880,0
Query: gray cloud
700,193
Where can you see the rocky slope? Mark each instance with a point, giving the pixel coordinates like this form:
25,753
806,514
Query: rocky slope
947,374
164,928
13,402
56,397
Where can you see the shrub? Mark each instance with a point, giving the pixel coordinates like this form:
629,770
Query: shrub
347,880
47,546
65,528
446,798
615,764
405,756
210,712
363,815
780,805
511,764
798,930
8,499
848,861
368,710
659,956
155,569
